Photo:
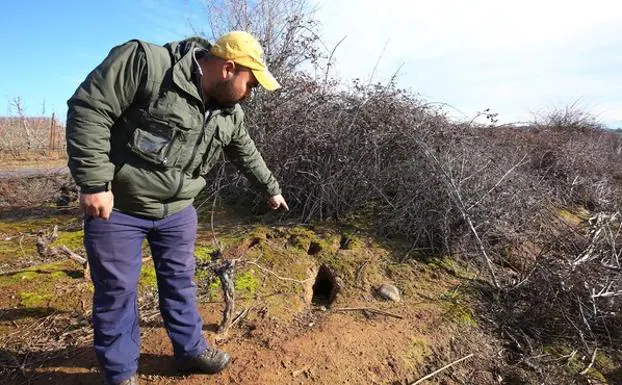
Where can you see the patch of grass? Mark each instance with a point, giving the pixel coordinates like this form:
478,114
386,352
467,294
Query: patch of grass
41,274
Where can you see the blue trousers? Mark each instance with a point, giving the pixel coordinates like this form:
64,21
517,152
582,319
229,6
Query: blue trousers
114,253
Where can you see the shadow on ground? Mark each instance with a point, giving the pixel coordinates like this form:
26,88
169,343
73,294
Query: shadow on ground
70,366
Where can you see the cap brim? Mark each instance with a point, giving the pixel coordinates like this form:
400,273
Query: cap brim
266,80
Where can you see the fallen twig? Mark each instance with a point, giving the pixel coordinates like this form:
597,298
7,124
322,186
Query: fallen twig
584,371
441,369
241,316
369,309
76,257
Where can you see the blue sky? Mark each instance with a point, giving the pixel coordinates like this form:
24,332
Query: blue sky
48,47
519,59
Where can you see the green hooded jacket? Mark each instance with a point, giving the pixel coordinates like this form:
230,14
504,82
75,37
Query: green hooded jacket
138,125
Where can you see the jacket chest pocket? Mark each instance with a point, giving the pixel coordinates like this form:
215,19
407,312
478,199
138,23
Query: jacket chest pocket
221,138
159,142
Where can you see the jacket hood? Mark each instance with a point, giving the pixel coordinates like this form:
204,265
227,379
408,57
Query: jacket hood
179,48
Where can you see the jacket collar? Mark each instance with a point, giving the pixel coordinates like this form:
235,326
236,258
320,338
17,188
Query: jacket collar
184,78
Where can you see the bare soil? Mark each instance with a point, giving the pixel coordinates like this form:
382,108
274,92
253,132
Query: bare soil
285,337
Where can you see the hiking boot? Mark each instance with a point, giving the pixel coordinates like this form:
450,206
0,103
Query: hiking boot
211,361
130,381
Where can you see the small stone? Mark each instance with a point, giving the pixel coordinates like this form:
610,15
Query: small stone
389,292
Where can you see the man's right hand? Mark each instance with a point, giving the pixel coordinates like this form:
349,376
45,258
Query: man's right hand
98,204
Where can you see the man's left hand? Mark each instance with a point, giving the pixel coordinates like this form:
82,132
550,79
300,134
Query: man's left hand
277,201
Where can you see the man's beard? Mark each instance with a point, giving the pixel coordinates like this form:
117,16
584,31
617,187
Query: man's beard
223,94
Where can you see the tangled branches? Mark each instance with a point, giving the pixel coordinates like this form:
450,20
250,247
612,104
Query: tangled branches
536,207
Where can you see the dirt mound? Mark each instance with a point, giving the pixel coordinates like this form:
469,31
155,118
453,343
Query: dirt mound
306,305
307,311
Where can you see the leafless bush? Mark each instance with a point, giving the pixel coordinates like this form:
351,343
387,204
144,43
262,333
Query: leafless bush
513,201
568,118
286,29
486,195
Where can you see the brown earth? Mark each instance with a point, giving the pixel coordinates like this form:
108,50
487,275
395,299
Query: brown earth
286,337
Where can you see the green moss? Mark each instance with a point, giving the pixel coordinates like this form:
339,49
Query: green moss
17,246
569,217
603,361
303,232
30,299
260,232
214,287
575,365
148,278
204,253
32,225
299,242
416,352
342,264
73,239
26,275
596,375
246,282
58,274
557,350
38,286
42,275
573,362
300,238
449,265
460,314
456,308
202,275
350,241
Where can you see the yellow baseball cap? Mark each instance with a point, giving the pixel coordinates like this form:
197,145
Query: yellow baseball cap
242,48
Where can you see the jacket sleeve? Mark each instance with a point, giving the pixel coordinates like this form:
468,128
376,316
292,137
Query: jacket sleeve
93,109
243,153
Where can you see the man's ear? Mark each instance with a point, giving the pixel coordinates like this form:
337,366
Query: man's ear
228,69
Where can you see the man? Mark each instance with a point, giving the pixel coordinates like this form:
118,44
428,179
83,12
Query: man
142,129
